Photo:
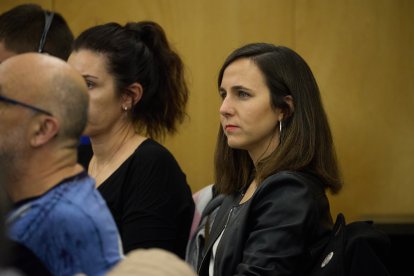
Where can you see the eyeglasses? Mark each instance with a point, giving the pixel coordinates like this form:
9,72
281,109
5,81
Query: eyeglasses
48,23
34,108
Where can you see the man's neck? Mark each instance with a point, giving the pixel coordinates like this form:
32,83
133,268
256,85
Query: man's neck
39,176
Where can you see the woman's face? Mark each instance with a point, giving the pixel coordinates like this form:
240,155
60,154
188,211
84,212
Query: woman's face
105,108
247,117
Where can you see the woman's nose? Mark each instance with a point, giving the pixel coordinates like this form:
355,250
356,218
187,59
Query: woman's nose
226,108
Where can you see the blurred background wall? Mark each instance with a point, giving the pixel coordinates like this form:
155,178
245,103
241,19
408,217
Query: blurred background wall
361,52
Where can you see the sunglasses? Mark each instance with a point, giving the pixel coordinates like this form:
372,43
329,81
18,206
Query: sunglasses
15,102
48,23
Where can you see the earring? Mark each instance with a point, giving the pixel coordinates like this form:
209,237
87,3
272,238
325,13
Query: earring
280,128
125,108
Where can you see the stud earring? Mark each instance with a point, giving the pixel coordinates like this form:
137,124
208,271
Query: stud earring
125,108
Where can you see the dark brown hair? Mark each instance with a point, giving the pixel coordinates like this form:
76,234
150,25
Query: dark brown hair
306,140
139,52
21,29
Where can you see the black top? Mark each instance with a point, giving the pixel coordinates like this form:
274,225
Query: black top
84,154
150,200
271,233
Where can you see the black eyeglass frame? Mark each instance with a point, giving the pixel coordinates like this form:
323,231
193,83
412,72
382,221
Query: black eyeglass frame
48,23
15,102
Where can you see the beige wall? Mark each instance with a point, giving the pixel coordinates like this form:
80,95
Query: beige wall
361,52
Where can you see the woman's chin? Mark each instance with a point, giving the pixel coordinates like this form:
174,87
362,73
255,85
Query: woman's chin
235,145
87,131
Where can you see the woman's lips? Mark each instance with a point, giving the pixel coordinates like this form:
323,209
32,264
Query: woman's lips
230,128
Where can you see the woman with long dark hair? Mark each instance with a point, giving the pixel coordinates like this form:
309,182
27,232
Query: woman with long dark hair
274,160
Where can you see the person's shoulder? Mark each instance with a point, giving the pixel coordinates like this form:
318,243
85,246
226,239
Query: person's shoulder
75,222
292,184
79,198
79,191
293,179
60,201
151,146
53,217
295,193
153,151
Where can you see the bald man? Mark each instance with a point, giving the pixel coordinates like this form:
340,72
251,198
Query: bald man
57,214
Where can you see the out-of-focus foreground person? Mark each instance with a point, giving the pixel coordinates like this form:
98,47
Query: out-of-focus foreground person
274,159
29,28
151,262
57,212
137,93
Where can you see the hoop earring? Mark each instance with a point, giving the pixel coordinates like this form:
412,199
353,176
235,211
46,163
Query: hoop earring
48,23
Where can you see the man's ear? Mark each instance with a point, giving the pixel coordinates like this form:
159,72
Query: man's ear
132,95
43,129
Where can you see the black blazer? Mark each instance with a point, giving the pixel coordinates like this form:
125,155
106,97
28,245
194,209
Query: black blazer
272,233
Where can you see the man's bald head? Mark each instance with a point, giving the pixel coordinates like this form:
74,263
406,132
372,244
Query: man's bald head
48,83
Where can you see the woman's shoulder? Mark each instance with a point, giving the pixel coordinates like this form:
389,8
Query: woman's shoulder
292,184
152,151
152,147
151,155
298,194
294,179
